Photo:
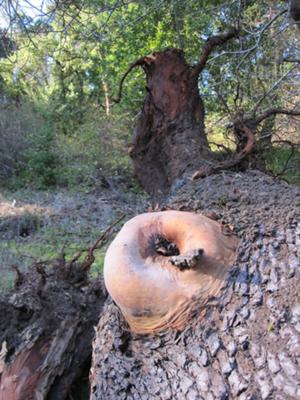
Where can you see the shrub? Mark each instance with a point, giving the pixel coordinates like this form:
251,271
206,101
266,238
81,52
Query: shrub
42,161
98,148
26,147
280,161
16,123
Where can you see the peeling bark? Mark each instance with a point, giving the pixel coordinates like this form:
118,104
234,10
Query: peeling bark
169,138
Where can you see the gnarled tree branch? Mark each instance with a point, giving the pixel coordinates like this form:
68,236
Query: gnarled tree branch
235,159
138,63
210,45
273,111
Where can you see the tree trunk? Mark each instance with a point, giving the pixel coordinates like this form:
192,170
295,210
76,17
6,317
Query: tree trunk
247,344
169,137
106,96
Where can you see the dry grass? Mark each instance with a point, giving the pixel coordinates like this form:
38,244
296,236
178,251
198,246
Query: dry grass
36,225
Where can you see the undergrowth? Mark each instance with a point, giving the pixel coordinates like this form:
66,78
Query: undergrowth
280,161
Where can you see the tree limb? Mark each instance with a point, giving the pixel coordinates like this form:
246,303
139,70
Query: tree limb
210,45
273,111
138,63
236,159
260,35
292,60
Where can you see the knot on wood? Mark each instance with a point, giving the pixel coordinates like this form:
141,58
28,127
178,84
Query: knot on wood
188,260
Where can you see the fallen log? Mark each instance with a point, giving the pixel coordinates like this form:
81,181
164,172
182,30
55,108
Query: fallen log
247,344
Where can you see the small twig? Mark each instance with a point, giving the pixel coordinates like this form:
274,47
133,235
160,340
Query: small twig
221,146
187,260
90,258
260,35
276,84
292,60
292,145
273,111
74,259
96,244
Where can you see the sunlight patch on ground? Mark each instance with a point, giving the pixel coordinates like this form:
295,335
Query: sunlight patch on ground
14,208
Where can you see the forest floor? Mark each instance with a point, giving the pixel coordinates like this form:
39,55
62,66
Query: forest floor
36,225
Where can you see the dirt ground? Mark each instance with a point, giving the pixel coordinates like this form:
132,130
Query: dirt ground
35,225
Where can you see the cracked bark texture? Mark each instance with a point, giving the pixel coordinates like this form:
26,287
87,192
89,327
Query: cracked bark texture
47,335
248,344
169,137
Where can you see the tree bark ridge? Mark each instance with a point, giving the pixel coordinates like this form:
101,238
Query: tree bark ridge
246,346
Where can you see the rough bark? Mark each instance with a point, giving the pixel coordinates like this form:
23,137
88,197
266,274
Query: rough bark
169,133
247,345
169,140
46,339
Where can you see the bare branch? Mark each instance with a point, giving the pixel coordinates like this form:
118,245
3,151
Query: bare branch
260,36
236,159
220,146
276,84
292,60
90,258
138,63
210,45
273,111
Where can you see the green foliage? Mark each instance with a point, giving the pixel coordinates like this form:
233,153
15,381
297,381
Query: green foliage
97,149
281,161
97,267
42,161
68,68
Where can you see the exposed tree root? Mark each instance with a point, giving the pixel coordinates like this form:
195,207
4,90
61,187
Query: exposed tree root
47,327
233,161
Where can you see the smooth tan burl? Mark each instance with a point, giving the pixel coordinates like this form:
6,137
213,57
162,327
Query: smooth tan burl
152,293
